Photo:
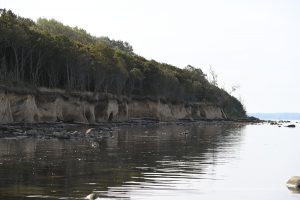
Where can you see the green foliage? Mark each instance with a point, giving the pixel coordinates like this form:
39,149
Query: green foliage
50,54
79,35
56,28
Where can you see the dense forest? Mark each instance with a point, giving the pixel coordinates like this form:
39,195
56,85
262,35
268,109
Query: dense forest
50,54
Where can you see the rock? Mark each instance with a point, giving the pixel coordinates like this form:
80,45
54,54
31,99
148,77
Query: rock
293,184
95,196
89,130
291,126
61,135
185,133
90,197
74,133
32,132
94,144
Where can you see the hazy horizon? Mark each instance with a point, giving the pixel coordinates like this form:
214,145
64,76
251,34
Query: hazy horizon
276,116
252,44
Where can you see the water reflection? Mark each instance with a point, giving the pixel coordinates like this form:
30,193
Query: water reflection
146,161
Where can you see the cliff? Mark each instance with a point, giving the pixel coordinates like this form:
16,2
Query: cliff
50,105
49,54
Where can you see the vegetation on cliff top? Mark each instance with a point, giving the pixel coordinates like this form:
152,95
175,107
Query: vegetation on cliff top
49,54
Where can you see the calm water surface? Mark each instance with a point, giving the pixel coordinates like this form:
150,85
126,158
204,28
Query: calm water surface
193,161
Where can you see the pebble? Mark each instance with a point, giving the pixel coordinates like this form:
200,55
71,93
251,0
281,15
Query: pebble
293,184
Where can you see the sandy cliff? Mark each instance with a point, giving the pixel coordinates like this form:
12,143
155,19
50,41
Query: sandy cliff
46,105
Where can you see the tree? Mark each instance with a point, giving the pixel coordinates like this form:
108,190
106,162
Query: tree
134,81
234,88
213,76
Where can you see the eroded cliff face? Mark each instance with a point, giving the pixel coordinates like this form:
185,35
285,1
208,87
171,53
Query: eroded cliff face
47,105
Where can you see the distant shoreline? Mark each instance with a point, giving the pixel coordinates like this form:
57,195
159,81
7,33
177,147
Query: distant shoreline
276,116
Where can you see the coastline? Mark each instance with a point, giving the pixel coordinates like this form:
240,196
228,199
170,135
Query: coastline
61,130
55,113
37,105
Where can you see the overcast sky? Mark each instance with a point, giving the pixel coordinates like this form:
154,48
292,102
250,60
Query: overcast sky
255,44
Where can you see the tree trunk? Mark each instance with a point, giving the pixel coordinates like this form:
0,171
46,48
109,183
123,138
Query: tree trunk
16,63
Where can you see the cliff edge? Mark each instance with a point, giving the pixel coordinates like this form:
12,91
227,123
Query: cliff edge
51,105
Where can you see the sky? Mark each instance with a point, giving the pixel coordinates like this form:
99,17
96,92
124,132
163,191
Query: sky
253,44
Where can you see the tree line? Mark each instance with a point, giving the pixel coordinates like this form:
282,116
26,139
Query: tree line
50,54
